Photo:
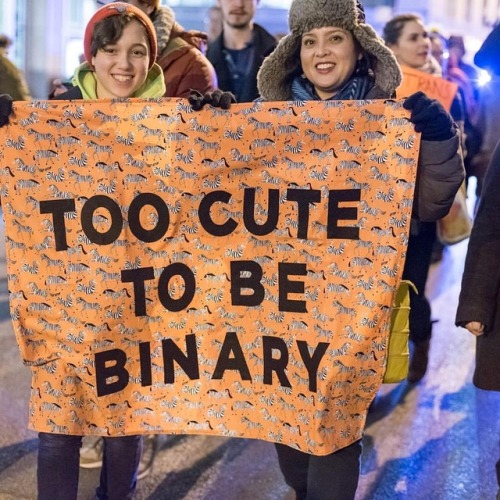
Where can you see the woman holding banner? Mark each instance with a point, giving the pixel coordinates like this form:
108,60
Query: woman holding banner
332,54
120,50
409,40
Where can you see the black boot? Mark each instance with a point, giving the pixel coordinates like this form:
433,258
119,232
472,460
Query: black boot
419,362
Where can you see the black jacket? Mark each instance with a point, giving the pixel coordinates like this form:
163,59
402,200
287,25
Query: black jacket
264,44
480,294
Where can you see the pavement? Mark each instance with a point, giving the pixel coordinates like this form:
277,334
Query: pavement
438,439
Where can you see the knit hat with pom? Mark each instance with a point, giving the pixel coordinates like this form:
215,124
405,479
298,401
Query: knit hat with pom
275,75
115,9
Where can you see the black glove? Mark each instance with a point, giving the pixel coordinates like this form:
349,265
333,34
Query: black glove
429,118
5,109
217,99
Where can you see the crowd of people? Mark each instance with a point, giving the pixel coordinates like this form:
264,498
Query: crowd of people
329,53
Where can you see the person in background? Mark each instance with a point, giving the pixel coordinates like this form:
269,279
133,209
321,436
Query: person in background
456,49
332,54
466,75
239,50
479,301
12,80
119,40
487,58
407,37
180,52
213,22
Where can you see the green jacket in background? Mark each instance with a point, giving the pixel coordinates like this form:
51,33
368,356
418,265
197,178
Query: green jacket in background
12,81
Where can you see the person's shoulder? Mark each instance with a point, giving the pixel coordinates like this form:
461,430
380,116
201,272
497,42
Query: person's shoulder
7,65
264,34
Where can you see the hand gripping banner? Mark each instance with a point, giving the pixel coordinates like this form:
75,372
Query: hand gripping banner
215,272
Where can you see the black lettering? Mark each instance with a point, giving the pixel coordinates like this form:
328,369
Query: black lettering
312,362
138,277
177,269
304,198
252,282
230,346
145,359
285,269
189,362
139,202
206,219
58,208
277,365
105,371
88,209
272,212
336,213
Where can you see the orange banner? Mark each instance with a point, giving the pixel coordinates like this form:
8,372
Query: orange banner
216,272
435,87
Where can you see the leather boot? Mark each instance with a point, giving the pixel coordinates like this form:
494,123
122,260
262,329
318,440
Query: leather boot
419,362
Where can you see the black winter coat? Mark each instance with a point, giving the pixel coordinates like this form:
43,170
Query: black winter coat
480,294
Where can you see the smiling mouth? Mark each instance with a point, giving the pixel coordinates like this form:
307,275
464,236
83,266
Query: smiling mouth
324,66
122,78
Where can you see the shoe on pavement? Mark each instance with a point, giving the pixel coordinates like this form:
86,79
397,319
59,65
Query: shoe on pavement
419,362
91,453
149,449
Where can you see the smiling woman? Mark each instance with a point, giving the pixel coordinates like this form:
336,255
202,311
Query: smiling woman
329,57
120,50
332,54
121,67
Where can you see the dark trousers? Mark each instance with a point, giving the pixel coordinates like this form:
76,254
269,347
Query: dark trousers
328,477
59,464
418,262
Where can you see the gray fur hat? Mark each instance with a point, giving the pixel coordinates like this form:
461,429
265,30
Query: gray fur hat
275,74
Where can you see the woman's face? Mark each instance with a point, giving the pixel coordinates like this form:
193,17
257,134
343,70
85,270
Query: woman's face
328,57
413,45
121,68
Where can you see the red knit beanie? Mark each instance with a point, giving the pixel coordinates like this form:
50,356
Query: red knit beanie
114,9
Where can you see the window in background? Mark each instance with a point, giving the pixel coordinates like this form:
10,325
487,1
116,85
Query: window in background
76,13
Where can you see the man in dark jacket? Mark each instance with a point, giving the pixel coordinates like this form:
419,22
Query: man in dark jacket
240,49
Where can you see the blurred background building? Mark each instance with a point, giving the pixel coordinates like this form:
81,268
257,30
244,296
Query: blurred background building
48,34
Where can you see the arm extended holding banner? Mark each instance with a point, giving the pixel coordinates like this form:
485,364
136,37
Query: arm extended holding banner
440,164
5,109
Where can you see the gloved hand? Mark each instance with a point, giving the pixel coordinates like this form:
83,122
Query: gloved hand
5,109
217,99
429,118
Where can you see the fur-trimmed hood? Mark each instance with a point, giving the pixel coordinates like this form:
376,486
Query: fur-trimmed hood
276,73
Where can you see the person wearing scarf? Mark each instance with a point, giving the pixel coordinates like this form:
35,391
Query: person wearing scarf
332,54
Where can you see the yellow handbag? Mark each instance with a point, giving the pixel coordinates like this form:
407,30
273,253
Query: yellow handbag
457,225
398,353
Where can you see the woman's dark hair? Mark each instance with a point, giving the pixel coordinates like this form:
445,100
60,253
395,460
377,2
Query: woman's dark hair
108,31
393,29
